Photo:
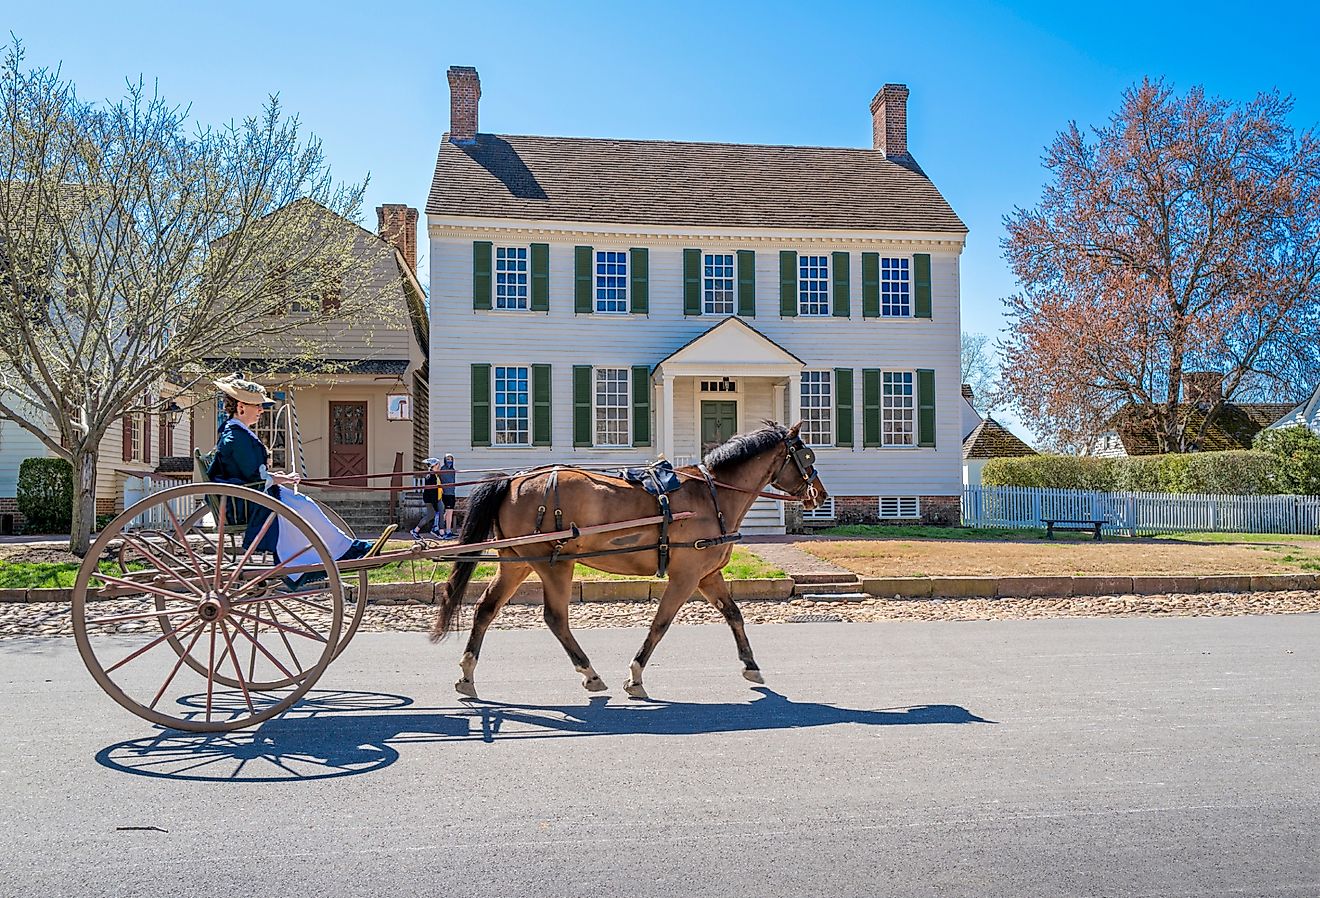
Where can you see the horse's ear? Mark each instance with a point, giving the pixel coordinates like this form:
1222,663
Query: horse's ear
793,431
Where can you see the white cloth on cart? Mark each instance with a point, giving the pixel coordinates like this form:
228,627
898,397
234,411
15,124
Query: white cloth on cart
290,541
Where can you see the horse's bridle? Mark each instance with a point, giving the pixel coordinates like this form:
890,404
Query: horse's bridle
803,458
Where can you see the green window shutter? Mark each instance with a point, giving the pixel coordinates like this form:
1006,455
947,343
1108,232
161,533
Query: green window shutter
581,405
842,304
870,285
541,405
870,407
641,405
926,407
788,283
639,262
921,286
583,268
691,282
481,279
540,265
481,405
747,283
843,407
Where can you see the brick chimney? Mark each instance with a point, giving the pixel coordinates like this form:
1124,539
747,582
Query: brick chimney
967,394
464,95
1202,388
889,120
397,224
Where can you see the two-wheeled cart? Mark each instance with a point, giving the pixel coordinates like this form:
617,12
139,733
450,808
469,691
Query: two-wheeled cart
184,621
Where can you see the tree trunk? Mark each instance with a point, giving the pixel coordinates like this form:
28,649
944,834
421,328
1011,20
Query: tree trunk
84,500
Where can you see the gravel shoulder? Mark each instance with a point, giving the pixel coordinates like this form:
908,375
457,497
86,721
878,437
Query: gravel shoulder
54,619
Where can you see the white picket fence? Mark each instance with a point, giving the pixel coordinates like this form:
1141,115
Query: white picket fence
1137,513
138,488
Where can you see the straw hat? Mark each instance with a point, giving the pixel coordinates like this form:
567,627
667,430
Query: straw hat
236,387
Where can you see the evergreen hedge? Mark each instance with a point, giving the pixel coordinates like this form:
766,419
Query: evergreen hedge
1297,451
1243,472
45,494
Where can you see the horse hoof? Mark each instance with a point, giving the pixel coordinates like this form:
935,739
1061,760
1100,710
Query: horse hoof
636,690
594,684
466,687
754,676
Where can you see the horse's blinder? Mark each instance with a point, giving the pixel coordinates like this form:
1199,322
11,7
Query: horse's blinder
803,458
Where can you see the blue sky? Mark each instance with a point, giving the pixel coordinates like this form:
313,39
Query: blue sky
990,83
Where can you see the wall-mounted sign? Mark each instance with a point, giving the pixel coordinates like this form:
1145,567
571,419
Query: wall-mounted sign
398,407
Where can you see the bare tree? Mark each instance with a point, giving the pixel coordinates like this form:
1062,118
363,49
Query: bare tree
979,370
133,244
1182,236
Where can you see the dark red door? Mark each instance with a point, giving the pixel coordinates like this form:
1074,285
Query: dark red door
348,443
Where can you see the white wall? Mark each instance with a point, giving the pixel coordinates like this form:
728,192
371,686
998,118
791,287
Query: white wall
461,336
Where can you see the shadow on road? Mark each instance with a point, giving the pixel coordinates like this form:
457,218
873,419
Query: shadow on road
340,733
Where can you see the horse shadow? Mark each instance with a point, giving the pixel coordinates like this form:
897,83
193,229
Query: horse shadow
334,734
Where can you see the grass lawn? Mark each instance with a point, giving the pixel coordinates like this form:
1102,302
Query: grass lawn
45,575
918,551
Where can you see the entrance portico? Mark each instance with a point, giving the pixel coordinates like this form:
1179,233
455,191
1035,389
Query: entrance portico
723,382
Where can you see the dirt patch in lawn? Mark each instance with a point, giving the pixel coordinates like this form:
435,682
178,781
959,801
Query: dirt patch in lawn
1154,557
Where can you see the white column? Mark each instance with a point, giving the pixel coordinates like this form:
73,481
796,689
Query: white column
794,398
777,401
667,404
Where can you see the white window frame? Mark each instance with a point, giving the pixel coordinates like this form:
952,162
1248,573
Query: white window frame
902,282
708,280
137,425
495,405
273,439
598,282
803,281
596,407
808,432
521,302
886,406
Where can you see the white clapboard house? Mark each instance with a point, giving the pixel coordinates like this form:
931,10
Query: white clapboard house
600,300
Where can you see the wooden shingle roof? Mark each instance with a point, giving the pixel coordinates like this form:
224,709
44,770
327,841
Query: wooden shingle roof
991,439
1233,427
674,183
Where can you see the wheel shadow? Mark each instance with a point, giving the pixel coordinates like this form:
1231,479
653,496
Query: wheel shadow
333,733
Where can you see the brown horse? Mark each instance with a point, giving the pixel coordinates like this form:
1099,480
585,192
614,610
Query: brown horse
739,469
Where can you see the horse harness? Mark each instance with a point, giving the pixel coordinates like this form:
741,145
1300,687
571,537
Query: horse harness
660,479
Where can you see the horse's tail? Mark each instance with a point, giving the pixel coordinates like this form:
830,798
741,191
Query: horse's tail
482,507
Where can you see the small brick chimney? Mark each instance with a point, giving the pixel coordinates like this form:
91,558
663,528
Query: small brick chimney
397,223
967,394
889,120
464,95
1202,388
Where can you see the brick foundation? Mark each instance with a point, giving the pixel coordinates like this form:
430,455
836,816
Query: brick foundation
106,506
945,511
9,506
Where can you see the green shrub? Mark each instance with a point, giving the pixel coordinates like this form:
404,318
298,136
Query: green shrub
45,494
1297,452
1239,472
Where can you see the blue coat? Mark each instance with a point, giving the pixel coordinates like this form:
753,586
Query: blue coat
238,459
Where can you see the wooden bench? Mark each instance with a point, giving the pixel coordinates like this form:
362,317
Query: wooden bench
1051,523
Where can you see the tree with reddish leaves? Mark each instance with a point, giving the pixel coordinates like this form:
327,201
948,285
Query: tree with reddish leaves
1182,236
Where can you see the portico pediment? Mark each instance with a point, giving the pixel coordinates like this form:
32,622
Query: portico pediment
734,347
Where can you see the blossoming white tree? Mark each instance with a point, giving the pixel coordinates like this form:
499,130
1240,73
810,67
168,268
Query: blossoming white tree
134,243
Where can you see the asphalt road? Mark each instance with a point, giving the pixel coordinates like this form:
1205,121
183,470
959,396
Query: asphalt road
1097,757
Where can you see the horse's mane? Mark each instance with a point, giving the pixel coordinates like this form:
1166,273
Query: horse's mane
745,446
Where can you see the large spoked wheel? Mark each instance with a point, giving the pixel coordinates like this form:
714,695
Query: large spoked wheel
203,522
196,636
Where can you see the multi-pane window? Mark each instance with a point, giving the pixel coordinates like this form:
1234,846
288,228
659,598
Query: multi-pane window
895,288
275,438
897,409
612,406
511,407
718,284
813,285
817,408
137,425
511,277
611,281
